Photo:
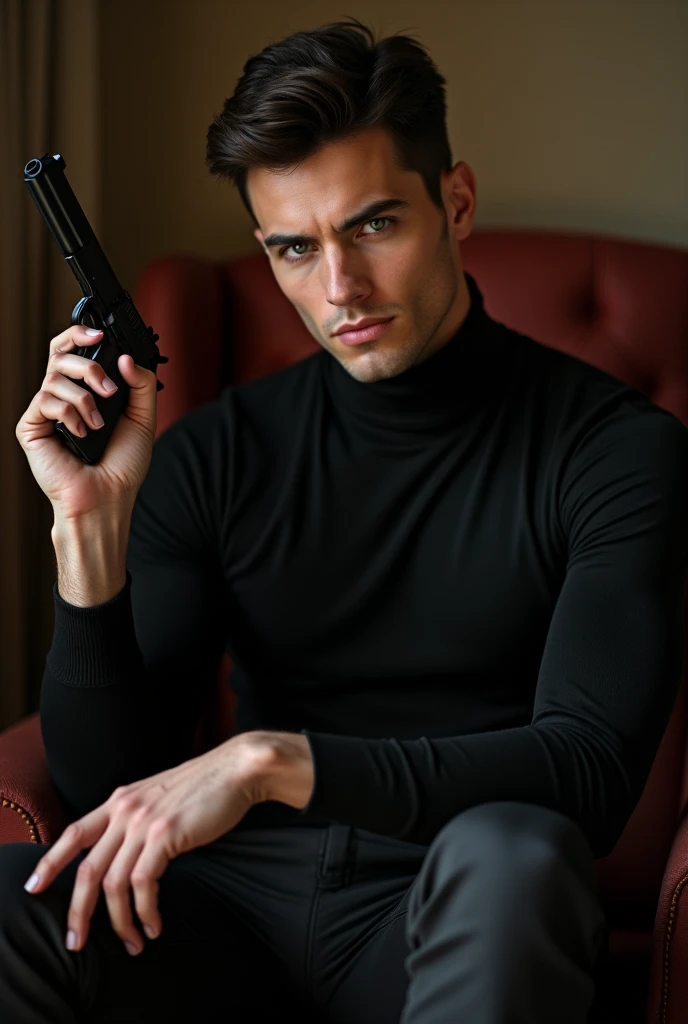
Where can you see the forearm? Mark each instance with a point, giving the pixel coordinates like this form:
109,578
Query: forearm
99,716
409,789
98,711
91,556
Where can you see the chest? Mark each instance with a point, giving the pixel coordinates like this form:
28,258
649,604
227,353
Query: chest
446,557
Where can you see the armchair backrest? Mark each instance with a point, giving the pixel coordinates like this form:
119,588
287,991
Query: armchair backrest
621,306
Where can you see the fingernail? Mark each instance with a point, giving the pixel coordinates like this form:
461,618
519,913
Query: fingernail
97,418
71,939
150,932
132,949
109,385
32,882
91,333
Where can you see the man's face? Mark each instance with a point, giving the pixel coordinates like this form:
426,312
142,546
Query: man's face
400,262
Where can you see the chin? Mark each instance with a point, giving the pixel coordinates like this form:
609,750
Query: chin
372,365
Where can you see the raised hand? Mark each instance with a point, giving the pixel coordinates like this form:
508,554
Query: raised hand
74,488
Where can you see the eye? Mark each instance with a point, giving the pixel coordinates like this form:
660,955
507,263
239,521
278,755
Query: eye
385,222
295,246
378,220
299,255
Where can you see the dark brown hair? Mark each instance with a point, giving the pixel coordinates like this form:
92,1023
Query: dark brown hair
323,85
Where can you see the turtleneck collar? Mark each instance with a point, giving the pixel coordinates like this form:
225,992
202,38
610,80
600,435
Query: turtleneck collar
435,394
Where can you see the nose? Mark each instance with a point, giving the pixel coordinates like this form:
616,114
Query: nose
344,279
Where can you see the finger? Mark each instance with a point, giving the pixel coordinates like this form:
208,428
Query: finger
80,835
68,364
117,889
143,390
145,876
73,337
90,877
82,401
77,397
46,410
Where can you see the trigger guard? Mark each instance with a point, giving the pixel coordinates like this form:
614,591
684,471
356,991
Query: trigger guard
82,316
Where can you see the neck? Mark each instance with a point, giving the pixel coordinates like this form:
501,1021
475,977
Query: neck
432,397
452,321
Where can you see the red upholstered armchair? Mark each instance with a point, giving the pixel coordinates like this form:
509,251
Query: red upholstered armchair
621,306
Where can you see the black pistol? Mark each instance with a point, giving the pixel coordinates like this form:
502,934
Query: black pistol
105,305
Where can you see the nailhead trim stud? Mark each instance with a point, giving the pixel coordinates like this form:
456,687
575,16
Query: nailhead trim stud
25,816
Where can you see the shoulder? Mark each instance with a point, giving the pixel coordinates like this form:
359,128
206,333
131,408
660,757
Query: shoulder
276,394
570,379
204,430
586,409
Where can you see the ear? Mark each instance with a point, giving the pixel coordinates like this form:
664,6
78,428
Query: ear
258,234
459,191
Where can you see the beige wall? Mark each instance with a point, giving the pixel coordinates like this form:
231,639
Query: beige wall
573,113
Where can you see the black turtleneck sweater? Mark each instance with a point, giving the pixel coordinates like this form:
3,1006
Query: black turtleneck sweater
462,584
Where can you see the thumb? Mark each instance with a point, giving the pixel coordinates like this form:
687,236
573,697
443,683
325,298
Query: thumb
142,392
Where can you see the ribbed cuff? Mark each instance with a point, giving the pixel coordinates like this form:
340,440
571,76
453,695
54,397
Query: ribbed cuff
95,646
357,782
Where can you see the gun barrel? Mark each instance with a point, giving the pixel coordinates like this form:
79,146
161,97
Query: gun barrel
55,199
104,298
69,225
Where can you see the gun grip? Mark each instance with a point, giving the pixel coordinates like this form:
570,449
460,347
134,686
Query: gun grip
90,448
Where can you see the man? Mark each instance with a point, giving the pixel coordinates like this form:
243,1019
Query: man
448,563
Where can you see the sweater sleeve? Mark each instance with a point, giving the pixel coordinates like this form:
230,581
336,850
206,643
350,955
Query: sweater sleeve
608,678
124,680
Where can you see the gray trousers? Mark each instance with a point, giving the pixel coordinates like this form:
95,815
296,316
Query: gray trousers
497,921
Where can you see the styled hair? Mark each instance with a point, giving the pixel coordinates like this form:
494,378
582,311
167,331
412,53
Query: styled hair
320,86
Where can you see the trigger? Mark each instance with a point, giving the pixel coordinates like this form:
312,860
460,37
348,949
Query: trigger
81,315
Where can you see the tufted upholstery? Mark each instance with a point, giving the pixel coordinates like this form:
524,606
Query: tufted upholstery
621,306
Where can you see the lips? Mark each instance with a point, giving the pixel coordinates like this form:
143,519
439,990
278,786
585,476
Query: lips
367,322
360,335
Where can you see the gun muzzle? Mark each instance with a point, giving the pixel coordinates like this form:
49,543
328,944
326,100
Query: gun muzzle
55,199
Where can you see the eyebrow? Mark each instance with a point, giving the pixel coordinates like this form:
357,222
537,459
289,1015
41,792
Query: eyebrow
369,212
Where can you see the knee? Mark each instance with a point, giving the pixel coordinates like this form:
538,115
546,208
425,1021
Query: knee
17,862
501,862
521,838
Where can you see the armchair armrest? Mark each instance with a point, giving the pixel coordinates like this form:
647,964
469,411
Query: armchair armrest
31,810
668,993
